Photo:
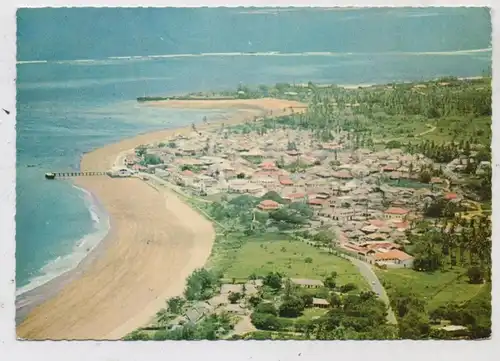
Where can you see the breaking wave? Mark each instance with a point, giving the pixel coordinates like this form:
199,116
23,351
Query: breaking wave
114,59
65,263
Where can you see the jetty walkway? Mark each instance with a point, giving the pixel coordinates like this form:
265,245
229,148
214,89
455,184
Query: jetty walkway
52,175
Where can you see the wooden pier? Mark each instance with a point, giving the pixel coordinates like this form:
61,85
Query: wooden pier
53,175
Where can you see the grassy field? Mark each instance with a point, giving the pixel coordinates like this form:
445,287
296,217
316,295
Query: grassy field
261,256
462,128
393,128
436,288
415,129
311,313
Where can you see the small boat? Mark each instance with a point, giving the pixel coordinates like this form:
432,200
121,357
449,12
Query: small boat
50,175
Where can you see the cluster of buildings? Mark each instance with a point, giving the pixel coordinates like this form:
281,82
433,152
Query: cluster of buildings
221,302
355,192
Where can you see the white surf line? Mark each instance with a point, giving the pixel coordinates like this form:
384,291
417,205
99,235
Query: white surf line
31,62
267,53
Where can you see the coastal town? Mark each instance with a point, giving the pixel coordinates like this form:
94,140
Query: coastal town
368,196
350,196
361,204
252,174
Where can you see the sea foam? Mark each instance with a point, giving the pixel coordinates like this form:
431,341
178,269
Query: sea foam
65,263
113,59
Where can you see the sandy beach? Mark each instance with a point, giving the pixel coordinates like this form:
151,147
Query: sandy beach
155,242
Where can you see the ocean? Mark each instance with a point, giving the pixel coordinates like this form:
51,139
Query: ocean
80,70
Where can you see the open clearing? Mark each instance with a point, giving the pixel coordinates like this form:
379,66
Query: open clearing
438,288
290,258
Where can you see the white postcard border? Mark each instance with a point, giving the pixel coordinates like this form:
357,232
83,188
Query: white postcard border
10,349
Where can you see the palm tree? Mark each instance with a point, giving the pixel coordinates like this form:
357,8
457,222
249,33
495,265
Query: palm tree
462,246
484,241
453,244
445,241
472,245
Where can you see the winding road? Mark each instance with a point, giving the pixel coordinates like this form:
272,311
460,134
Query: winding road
367,272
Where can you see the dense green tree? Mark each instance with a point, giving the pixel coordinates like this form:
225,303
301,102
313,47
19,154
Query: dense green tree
266,307
393,144
292,306
273,196
348,287
475,275
254,300
141,150
265,321
234,297
175,304
414,325
425,176
404,302
163,317
330,280
335,300
137,336
324,237
273,280
151,159
307,299
200,285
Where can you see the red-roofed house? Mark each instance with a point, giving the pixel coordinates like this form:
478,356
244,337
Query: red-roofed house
450,196
316,203
187,173
396,213
381,245
356,249
184,178
268,166
295,197
286,182
268,205
395,258
401,225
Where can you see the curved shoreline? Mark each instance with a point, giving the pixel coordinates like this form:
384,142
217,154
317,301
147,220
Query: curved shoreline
154,243
102,230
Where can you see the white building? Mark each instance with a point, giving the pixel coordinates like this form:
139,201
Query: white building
120,172
396,213
343,214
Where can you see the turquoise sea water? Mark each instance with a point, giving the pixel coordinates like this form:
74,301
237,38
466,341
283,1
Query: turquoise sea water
67,106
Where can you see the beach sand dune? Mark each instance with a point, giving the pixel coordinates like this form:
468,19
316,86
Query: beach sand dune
156,240
276,105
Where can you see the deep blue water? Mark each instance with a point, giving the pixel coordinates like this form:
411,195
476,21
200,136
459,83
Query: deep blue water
66,107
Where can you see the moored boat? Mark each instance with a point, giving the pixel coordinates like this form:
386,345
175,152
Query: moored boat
50,175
